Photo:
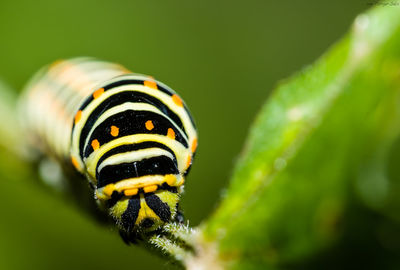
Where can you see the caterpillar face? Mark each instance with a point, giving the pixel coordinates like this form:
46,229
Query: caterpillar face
145,211
130,135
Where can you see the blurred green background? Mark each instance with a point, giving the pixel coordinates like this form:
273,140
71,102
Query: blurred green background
223,57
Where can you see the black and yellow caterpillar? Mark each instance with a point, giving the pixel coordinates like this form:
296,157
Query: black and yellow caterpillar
130,136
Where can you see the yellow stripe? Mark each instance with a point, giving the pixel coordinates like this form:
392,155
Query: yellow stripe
166,99
131,156
179,150
145,212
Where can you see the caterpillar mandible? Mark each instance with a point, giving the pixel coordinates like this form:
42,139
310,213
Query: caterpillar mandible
130,136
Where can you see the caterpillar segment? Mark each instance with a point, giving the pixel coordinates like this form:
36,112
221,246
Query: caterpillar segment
130,136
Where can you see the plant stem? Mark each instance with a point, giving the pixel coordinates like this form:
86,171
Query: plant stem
175,241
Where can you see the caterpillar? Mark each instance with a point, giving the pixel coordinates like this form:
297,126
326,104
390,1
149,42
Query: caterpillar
130,136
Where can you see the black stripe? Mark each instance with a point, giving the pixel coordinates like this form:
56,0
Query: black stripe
165,186
121,83
115,197
160,208
147,223
160,165
134,147
118,99
132,122
127,82
128,218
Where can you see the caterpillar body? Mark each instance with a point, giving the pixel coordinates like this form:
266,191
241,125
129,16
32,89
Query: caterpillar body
130,136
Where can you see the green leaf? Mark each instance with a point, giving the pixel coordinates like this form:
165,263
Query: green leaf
314,165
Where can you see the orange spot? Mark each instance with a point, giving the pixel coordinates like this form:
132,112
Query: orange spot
114,131
150,188
131,192
75,163
98,93
170,179
109,189
194,145
78,116
188,162
151,84
171,133
95,144
177,100
149,125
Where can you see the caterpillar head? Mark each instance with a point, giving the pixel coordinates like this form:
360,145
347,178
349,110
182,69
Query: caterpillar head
144,212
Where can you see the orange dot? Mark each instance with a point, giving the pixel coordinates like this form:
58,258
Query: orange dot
149,125
194,145
150,188
131,192
177,100
78,116
114,131
188,162
171,133
98,93
151,84
95,144
75,163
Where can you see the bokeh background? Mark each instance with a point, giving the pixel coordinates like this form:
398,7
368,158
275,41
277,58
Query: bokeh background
223,57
